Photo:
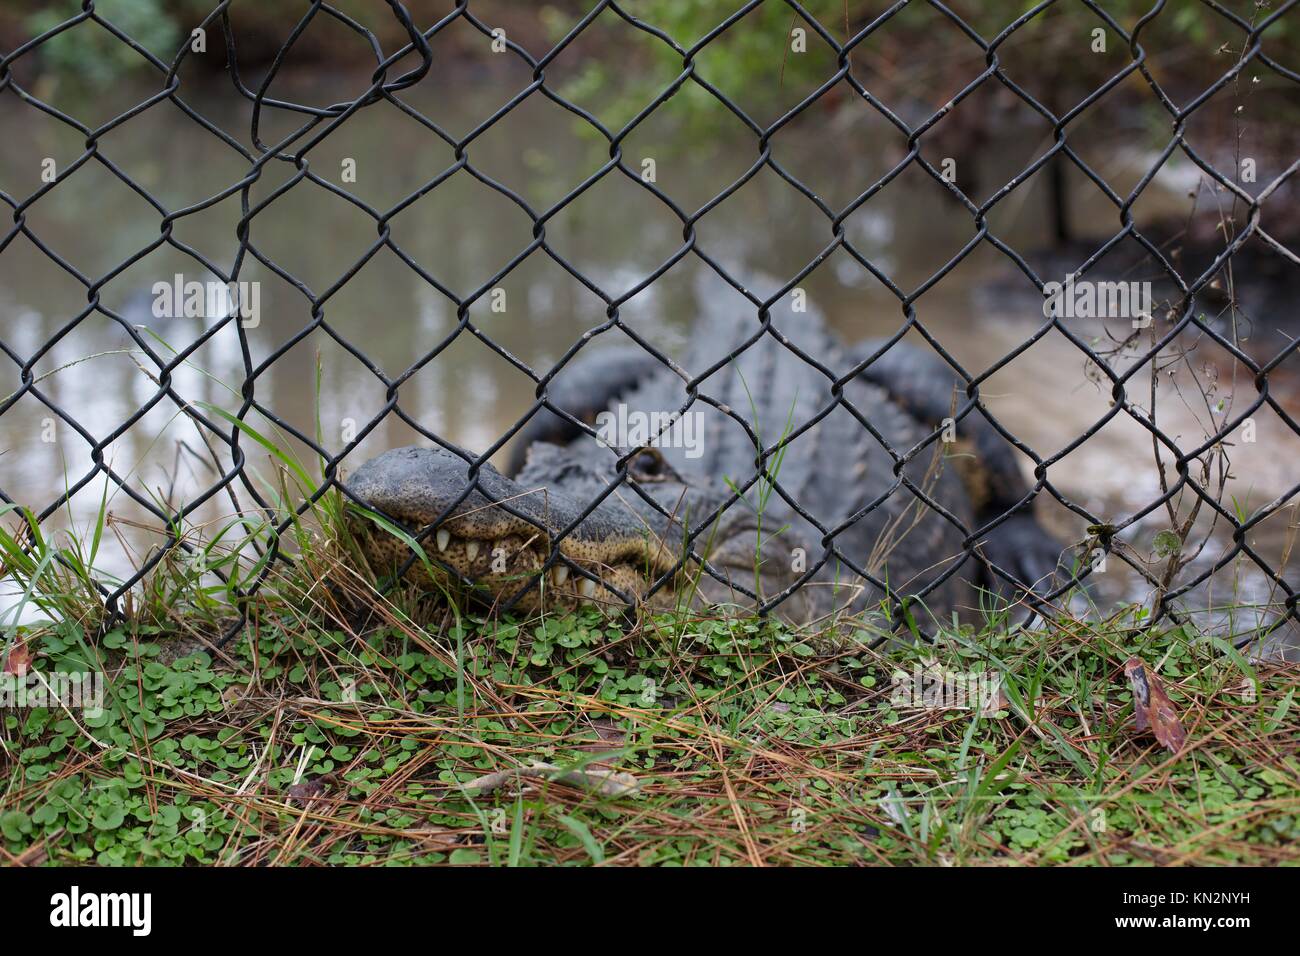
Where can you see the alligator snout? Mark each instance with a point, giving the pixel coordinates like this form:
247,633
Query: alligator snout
501,534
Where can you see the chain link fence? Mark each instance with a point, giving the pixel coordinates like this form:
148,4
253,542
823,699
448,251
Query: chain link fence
1184,475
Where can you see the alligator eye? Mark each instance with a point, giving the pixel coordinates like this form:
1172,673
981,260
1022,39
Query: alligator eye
648,465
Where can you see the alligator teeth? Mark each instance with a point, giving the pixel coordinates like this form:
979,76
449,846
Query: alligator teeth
587,588
444,538
471,550
561,573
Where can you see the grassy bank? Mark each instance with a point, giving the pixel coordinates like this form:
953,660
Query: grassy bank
678,740
344,726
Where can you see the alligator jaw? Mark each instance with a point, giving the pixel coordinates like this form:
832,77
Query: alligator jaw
501,568
609,559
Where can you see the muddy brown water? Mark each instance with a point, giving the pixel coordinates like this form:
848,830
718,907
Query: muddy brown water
463,233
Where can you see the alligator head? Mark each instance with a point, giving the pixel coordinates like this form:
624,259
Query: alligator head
537,541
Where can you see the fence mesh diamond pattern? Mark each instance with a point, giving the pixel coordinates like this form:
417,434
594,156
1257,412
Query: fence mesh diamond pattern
263,156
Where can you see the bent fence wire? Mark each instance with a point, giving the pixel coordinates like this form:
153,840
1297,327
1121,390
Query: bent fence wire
403,68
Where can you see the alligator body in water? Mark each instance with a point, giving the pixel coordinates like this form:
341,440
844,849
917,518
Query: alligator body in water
829,482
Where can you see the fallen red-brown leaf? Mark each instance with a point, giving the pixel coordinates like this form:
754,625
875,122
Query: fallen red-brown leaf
1152,707
308,790
18,659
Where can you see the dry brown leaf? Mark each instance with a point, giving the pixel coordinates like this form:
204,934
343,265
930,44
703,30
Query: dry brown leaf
18,659
610,739
307,791
1152,707
440,837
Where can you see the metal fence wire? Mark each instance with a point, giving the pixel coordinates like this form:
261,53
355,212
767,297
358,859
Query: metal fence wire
403,68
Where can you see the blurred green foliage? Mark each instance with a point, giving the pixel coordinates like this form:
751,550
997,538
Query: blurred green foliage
752,50
620,69
89,52
1188,39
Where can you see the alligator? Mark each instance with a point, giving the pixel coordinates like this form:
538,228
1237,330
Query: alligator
856,495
